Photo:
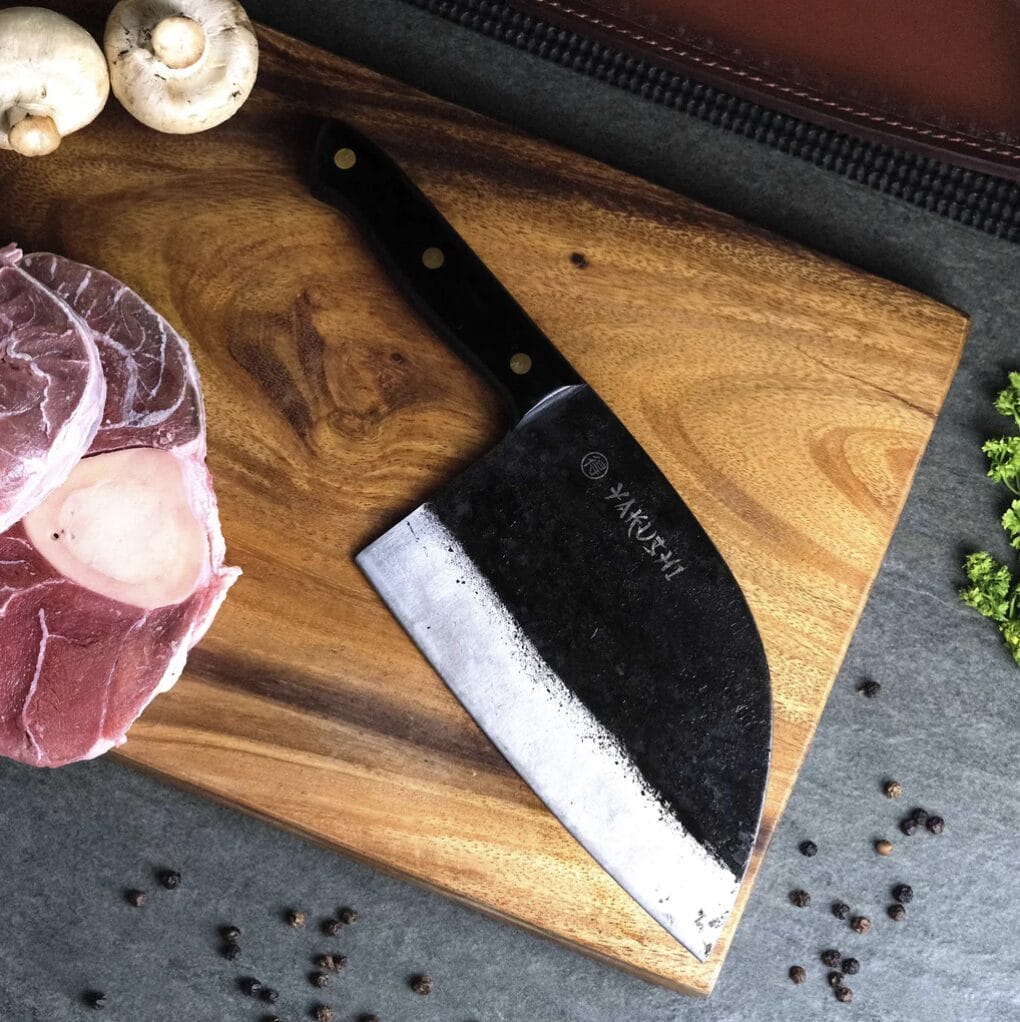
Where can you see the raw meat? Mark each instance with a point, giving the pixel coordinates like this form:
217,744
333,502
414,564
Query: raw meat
106,586
52,390
153,394
79,666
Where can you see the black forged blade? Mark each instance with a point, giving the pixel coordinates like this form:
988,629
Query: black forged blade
573,603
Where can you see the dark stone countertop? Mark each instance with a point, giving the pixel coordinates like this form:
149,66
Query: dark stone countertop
946,723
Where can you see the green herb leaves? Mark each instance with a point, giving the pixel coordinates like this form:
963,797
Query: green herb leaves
1004,458
993,591
1008,401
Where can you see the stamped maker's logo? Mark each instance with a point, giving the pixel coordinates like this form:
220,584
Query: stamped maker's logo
595,465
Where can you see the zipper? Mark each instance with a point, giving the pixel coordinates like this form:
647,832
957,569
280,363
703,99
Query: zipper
983,201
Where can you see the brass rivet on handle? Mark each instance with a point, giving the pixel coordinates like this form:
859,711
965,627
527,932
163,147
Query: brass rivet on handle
345,158
433,258
520,363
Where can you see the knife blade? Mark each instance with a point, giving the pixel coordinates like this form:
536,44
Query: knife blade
566,594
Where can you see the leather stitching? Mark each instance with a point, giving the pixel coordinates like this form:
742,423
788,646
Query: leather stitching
1008,150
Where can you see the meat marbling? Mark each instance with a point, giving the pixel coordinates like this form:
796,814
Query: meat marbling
52,390
78,665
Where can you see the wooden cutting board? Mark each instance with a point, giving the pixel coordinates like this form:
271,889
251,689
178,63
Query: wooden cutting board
788,397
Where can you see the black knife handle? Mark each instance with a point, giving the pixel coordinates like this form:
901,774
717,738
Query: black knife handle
448,284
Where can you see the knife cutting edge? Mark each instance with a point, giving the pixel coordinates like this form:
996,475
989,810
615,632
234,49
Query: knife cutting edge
566,594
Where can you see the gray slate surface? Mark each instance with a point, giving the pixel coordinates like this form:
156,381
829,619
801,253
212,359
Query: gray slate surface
946,724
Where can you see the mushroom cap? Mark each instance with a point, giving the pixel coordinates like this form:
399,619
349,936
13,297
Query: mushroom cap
49,67
189,99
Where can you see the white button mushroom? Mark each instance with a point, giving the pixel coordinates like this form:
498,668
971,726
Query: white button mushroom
53,79
181,66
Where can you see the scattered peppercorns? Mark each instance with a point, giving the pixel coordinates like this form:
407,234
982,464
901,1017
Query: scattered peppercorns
96,1000
800,898
919,816
869,689
909,826
892,789
897,913
330,963
251,986
347,916
798,974
851,966
935,824
884,847
231,951
269,995
230,932
422,985
840,909
831,958
808,849
136,898
170,879
844,994
835,979
295,918
331,927
903,893
860,924
579,259
322,1013
370,1018
318,979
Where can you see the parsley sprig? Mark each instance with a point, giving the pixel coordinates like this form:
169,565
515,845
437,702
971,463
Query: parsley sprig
993,591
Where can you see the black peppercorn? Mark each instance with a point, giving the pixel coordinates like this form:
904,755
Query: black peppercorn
844,994
370,1018
897,913
840,909
808,848
579,259
170,879
831,958
903,893
251,986
798,974
869,689
322,1013
909,826
96,1000
137,898
892,789
422,985
318,979
347,916
800,898
860,924
330,963
331,927
851,966
269,995
835,979
919,816
230,932
231,951
935,824
272,1018
295,918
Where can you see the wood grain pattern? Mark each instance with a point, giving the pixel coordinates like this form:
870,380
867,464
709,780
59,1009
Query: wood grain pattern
788,398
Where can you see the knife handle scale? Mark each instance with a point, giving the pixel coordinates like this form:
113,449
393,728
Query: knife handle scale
443,278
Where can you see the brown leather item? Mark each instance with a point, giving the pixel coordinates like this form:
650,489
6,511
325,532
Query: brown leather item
939,76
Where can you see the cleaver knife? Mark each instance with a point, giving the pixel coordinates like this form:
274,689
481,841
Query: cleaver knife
565,592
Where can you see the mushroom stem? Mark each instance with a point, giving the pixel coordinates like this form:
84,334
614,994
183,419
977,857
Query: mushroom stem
34,136
178,42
